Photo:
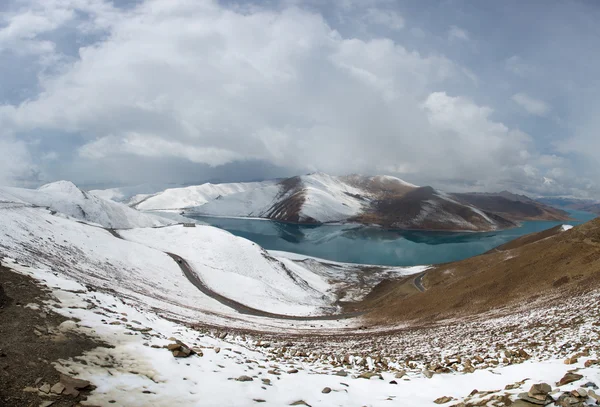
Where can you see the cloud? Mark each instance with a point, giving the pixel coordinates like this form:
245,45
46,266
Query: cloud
457,33
531,105
189,88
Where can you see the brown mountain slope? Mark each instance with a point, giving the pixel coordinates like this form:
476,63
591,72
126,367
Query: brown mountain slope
511,206
541,269
428,209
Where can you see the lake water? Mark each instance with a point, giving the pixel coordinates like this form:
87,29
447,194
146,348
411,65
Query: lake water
369,245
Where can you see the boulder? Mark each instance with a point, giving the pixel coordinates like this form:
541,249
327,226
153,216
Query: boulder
427,373
58,388
73,385
342,373
540,391
326,390
569,378
443,400
244,379
534,400
570,361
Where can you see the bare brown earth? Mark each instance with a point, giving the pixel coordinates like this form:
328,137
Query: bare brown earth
30,342
511,206
534,268
404,212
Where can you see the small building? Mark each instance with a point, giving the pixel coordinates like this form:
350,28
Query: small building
189,225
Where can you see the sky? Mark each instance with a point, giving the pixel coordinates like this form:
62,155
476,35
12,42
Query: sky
460,95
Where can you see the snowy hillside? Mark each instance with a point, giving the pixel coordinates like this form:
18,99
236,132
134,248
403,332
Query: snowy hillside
136,262
64,197
313,198
125,194
179,198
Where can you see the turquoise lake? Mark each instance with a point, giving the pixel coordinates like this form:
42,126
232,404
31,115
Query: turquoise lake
369,245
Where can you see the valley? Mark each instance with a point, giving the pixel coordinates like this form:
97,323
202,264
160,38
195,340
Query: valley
168,308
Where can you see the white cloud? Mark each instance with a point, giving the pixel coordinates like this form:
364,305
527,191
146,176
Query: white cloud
457,33
198,82
531,105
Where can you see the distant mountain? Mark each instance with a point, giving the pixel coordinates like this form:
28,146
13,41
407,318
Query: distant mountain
125,194
379,200
64,197
180,198
512,206
586,205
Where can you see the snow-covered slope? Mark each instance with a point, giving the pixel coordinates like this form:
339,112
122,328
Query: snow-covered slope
66,198
137,265
239,269
313,198
124,194
179,198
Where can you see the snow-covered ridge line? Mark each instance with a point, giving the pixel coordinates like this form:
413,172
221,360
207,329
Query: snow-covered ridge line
64,197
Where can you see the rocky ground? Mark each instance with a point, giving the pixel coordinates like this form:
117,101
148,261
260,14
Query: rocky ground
32,341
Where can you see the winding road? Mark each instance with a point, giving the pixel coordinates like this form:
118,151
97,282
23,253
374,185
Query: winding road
418,281
233,304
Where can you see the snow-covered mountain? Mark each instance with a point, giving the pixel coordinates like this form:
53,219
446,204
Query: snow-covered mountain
179,198
381,200
126,193
66,198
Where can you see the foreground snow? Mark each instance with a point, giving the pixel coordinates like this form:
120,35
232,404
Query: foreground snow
134,373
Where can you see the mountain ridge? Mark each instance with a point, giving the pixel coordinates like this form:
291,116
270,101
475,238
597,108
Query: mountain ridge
382,200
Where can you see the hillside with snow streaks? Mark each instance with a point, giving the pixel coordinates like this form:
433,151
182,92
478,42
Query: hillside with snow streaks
139,268
241,270
66,198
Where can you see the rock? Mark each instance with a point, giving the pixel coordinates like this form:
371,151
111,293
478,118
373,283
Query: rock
30,389
46,403
369,375
292,371
173,346
326,390
400,374
590,362
593,395
443,400
540,391
244,379
533,400
427,373
567,400
570,361
58,388
266,381
300,403
45,388
569,378
590,385
580,393
217,350
393,382
342,373
73,385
